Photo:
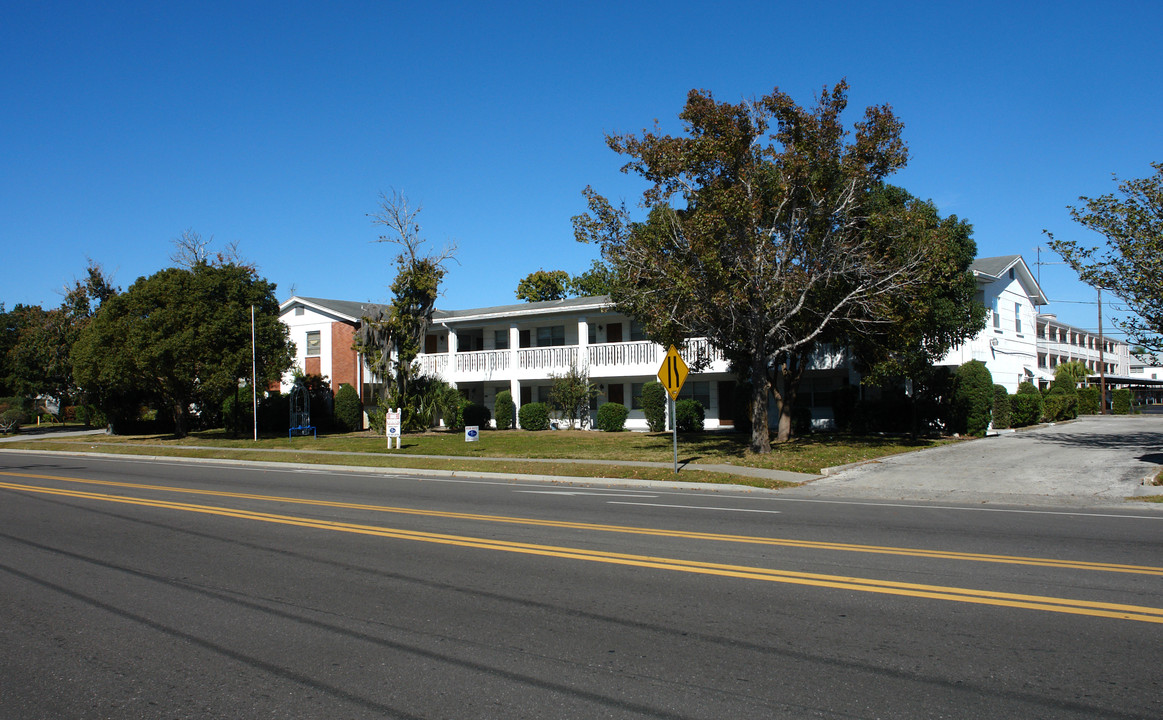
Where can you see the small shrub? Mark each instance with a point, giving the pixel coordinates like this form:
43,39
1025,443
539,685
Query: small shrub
1088,401
448,400
504,410
348,409
972,398
689,415
1025,410
612,417
1060,406
1001,407
11,420
1121,402
476,414
377,420
1032,410
654,405
534,416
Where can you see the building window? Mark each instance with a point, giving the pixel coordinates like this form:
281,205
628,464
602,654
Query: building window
299,310
552,335
1018,317
700,390
996,314
501,340
636,396
314,343
636,331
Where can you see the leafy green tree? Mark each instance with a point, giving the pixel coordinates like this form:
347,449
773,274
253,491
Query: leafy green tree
939,308
598,280
1131,263
764,251
543,285
391,339
571,395
1070,373
38,358
181,339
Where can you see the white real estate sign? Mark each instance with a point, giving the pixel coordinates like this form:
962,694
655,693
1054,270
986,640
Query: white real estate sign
392,428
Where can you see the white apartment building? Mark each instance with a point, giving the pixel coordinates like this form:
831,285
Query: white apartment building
521,347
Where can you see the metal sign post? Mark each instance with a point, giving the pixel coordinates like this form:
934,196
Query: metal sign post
672,375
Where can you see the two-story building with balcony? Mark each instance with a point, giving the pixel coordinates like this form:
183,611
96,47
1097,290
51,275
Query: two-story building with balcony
522,347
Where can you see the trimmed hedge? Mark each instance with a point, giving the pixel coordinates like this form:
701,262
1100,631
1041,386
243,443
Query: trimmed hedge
1088,400
1061,406
972,398
505,411
1001,407
1121,402
612,417
475,414
689,415
654,405
1027,411
534,416
348,409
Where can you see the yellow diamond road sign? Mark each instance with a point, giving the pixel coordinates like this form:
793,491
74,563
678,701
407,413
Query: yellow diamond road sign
673,372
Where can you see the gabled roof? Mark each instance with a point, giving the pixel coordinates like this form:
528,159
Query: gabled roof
994,268
343,309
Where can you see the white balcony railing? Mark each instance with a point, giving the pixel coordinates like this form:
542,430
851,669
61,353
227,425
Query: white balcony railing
624,354
557,357
482,362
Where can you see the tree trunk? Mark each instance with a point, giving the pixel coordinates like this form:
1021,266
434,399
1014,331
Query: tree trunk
180,426
784,387
760,391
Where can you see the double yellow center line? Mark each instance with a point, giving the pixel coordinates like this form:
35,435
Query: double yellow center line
984,597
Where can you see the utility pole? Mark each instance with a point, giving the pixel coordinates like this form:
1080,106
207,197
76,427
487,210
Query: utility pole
1101,360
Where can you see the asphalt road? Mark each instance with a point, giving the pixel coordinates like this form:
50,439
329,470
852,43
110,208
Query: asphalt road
134,589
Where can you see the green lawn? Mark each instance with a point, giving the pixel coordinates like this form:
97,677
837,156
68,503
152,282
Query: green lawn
804,455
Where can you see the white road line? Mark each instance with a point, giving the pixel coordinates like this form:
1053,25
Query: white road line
695,507
579,492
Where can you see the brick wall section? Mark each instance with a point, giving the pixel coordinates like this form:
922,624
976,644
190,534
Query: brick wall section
343,357
313,366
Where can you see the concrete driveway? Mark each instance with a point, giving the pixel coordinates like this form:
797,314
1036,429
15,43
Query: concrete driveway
1096,460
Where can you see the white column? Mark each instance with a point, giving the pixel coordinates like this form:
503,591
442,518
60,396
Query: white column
583,344
451,368
515,371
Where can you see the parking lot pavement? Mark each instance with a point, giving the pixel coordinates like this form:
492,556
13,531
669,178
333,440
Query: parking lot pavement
1092,461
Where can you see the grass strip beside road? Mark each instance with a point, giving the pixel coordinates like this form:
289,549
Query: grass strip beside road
510,452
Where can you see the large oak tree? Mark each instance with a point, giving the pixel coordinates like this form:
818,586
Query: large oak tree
755,234
180,340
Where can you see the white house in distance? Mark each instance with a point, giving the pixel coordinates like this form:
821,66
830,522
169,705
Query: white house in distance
520,347
1008,345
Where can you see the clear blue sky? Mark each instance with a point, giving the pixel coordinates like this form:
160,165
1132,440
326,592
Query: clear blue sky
277,125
